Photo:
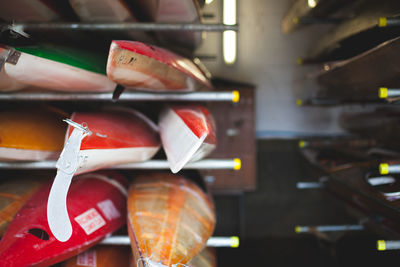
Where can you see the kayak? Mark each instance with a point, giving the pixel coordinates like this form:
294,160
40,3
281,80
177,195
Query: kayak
28,10
119,135
188,133
174,11
31,134
206,258
97,140
13,195
55,68
169,219
36,10
136,65
101,256
96,206
107,11
363,74
361,32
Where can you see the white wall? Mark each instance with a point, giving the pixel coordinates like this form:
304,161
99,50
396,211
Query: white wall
267,59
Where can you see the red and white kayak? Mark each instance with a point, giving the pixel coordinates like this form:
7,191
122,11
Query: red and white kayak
118,136
170,220
188,133
54,68
6,82
31,134
145,67
96,206
101,256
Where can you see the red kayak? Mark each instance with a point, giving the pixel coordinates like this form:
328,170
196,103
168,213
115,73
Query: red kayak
118,136
188,133
96,206
146,67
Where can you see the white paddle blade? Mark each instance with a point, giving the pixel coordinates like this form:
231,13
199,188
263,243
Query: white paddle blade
67,164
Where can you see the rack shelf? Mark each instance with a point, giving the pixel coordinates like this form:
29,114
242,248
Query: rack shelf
215,164
119,26
215,241
232,96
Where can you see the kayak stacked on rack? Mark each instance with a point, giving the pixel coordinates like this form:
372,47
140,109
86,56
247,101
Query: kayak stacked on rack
35,10
97,207
134,65
31,134
174,11
169,219
188,133
13,195
116,136
147,67
54,68
101,256
104,11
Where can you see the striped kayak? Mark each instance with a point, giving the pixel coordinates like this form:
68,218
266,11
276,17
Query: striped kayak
169,219
206,258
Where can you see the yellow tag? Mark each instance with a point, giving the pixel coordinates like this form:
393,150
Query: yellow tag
299,61
297,229
296,20
302,143
299,102
382,22
236,96
238,164
381,245
384,168
383,92
235,241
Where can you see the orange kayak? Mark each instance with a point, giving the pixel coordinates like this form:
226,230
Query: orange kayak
170,219
101,256
206,258
31,134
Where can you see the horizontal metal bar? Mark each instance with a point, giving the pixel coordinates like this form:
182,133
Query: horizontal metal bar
328,228
309,185
388,92
312,185
230,164
218,241
383,245
125,96
385,168
388,22
121,26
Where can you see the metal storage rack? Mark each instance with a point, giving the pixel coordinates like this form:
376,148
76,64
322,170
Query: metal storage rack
129,96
